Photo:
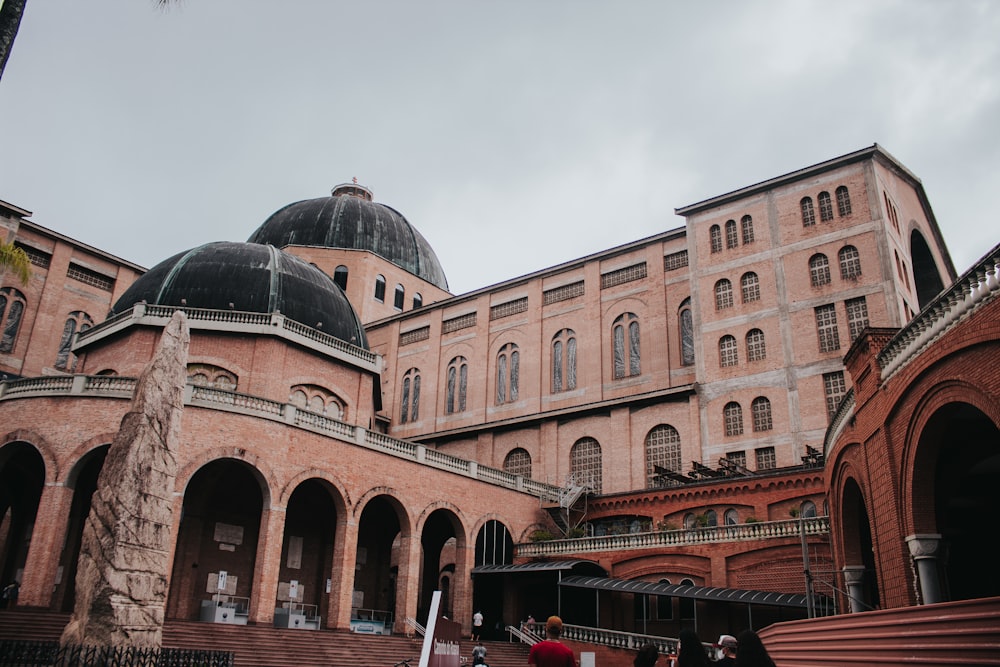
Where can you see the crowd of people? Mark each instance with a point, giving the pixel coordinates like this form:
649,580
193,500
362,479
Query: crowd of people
744,650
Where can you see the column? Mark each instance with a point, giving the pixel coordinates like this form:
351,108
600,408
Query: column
345,554
924,549
408,580
462,585
854,578
267,566
47,539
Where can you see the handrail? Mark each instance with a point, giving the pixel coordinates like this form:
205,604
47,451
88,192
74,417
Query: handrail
417,627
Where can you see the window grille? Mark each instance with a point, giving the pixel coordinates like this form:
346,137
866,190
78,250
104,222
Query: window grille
518,462
728,354
622,276
826,328
723,294
765,458
808,212
750,287
563,293
732,416
663,449
732,240
676,260
88,277
415,336
585,463
825,207
37,257
843,201
835,389
850,263
819,270
716,237
503,310
746,227
460,322
756,349
761,411
857,316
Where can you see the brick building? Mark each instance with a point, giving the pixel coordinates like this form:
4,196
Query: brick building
663,403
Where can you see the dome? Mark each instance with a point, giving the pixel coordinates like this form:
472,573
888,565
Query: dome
248,277
349,219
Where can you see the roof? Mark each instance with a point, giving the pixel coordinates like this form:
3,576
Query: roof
694,592
539,566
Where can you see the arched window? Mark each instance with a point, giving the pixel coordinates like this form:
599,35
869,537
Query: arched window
663,450
690,522
399,297
340,276
843,201
732,415
458,378
715,234
564,361
585,463
686,606
418,300
750,287
12,304
756,349
728,354
808,212
313,398
819,270
732,240
625,337
508,371
518,462
380,288
410,408
723,294
825,207
711,518
731,517
746,228
687,333
807,510
850,263
77,322
761,410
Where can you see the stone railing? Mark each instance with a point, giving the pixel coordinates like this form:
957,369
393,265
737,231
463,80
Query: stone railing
629,641
113,386
762,530
975,287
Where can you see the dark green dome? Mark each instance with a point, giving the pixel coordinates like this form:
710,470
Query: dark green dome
349,219
252,278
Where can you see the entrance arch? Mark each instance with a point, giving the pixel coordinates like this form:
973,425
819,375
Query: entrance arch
441,528
83,480
22,477
219,531
379,557
859,557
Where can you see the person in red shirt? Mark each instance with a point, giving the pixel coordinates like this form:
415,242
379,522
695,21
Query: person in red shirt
551,652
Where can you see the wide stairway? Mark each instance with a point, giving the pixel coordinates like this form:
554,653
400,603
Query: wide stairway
256,646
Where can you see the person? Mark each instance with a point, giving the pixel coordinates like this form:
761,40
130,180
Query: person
647,656
727,650
479,653
10,592
551,652
750,651
691,652
477,626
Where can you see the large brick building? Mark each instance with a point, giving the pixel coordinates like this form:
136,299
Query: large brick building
664,403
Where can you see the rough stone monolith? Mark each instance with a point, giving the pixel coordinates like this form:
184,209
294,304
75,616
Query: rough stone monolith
122,573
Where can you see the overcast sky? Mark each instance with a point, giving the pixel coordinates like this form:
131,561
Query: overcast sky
513,135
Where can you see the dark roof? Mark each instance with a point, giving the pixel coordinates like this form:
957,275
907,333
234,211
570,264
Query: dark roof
355,223
248,277
695,592
539,566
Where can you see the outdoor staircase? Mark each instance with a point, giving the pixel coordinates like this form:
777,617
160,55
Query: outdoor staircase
569,511
262,646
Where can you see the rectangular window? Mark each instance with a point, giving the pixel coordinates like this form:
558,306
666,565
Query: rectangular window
89,277
621,276
739,458
835,389
857,316
826,328
460,322
407,337
37,257
674,261
507,309
563,293
765,458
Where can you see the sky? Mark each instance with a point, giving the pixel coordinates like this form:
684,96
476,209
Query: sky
513,135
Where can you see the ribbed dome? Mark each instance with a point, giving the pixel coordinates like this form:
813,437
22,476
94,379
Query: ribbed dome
348,218
248,277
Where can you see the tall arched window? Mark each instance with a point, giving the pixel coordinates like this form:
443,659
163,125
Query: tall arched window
808,212
756,349
731,517
458,378
518,462
732,240
843,201
585,463
340,276
715,234
825,207
750,287
746,228
723,294
564,361
761,411
687,333
418,299
850,263
78,321
819,270
380,288
508,371
728,352
399,297
732,416
410,409
12,304
625,337
663,450
807,510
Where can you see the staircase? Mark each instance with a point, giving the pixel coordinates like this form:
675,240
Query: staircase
262,646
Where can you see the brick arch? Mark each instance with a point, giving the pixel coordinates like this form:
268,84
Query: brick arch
41,445
458,524
918,460
341,496
406,522
258,467
81,451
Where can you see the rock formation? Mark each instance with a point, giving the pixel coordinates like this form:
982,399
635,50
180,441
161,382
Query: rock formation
121,581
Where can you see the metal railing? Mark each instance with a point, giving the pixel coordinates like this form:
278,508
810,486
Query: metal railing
51,654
